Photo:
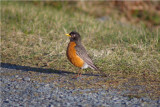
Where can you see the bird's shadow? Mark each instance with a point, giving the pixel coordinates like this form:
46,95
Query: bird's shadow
41,70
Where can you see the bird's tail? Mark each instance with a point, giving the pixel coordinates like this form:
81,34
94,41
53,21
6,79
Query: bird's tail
94,67
97,69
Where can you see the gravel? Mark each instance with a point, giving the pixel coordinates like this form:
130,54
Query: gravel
19,89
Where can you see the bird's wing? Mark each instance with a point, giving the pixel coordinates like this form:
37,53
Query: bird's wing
82,53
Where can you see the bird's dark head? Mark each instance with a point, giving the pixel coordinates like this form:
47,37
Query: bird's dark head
74,36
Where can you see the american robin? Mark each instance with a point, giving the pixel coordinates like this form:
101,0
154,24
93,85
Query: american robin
77,54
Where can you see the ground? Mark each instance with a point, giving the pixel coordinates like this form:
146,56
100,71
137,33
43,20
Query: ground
26,86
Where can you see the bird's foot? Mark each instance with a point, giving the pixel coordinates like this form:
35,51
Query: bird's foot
77,76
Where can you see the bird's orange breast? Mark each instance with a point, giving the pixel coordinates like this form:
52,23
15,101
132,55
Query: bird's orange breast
72,56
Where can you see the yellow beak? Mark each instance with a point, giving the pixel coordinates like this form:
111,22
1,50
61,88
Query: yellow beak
68,35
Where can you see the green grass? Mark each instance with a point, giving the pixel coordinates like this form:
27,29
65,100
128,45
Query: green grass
34,35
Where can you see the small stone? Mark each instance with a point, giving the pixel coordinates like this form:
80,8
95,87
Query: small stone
52,85
27,79
16,86
19,78
58,105
47,85
115,98
6,101
105,105
144,104
68,104
117,105
16,76
123,102
51,106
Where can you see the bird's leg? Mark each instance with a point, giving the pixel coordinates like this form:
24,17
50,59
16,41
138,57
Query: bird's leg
79,74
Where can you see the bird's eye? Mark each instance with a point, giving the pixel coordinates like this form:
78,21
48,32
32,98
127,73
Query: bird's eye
73,36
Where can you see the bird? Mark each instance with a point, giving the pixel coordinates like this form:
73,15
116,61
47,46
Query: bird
77,54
